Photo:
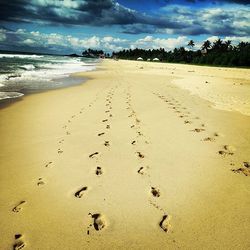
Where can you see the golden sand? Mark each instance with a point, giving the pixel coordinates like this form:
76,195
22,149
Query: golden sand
141,156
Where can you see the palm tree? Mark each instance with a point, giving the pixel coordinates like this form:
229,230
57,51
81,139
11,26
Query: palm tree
206,45
191,44
228,44
217,45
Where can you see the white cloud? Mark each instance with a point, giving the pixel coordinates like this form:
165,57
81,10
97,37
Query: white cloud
62,43
149,42
28,41
2,35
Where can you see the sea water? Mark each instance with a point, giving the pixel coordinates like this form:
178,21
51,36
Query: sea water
24,73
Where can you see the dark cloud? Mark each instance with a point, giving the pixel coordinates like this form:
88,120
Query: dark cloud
175,20
138,29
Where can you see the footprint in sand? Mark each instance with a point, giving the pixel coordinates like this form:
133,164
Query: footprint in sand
80,192
106,143
187,122
92,155
216,134
140,171
19,243
101,134
155,192
164,223
228,150
49,163
140,155
198,130
98,171
105,120
108,127
59,151
208,139
133,142
243,170
61,141
40,182
98,221
18,207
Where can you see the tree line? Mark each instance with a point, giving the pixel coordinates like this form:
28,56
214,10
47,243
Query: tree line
218,53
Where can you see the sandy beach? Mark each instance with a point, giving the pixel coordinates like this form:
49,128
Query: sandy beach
140,156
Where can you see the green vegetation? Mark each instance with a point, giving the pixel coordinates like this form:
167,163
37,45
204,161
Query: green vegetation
220,53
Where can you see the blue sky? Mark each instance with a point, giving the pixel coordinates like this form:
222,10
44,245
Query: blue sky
68,26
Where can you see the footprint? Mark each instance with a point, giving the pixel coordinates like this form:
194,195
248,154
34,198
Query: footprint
140,155
105,120
164,223
18,207
140,171
40,182
98,171
198,130
80,192
92,155
99,222
101,134
187,122
106,143
19,243
61,141
246,164
59,151
244,170
155,192
108,127
133,142
48,164
208,139
228,150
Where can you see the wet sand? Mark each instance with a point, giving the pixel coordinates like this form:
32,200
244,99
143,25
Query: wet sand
141,156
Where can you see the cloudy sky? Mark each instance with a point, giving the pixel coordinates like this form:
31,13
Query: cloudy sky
67,26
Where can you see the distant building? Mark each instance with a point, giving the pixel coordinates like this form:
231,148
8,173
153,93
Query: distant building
139,59
156,59
148,59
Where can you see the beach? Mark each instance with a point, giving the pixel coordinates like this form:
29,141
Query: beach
142,155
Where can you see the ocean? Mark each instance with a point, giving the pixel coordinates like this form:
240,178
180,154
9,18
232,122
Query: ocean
26,73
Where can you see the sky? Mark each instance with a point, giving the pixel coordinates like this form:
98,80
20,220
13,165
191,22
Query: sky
71,26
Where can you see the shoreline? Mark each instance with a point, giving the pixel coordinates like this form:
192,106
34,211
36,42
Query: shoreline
126,160
10,101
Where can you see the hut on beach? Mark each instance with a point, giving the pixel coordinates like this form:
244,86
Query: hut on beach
156,59
139,59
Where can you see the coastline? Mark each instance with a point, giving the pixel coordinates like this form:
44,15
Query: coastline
47,140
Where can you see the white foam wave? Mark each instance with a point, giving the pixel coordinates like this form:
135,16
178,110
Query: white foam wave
28,67
19,56
9,95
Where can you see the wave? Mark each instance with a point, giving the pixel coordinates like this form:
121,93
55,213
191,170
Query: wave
10,95
31,73
19,56
27,67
